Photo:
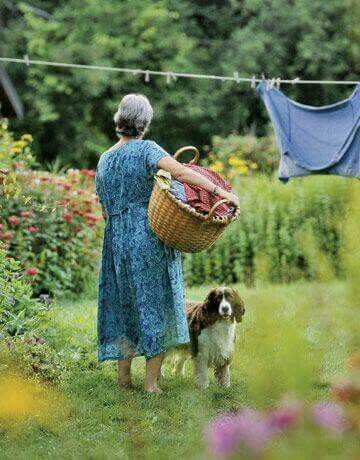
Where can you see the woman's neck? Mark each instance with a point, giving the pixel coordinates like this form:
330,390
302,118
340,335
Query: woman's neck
124,139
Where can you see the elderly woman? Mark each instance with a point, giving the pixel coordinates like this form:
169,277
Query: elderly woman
141,290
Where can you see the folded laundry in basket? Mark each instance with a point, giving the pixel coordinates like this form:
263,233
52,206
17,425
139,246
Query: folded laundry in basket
178,190
201,199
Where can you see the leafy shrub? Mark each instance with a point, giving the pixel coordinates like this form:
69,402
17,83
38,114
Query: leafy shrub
19,312
284,233
237,155
33,356
50,223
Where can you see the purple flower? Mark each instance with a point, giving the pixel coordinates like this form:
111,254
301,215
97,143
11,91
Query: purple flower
247,429
45,298
285,416
330,416
222,434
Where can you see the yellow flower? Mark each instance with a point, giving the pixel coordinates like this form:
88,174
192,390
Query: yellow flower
253,165
16,149
22,399
27,137
242,170
217,166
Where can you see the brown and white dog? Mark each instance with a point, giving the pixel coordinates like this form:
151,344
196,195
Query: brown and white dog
212,326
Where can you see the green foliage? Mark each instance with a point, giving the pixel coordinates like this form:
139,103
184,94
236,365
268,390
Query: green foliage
284,346
19,312
70,111
236,155
33,358
284,233
48,222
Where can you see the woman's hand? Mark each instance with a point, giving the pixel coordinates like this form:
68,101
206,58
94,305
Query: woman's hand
189,176
234,199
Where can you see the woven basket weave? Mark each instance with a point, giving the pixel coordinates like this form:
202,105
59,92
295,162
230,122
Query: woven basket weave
179,225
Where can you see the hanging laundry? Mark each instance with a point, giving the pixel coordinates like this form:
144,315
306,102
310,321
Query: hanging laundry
315,140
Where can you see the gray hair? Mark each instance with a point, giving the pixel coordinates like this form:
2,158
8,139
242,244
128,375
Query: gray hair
133,116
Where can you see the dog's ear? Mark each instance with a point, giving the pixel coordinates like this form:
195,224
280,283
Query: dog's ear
210,300
239,306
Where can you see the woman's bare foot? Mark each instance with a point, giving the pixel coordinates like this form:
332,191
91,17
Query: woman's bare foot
125,383
153,390
153,366
124,380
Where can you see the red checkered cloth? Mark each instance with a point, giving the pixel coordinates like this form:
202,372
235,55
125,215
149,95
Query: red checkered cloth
201,199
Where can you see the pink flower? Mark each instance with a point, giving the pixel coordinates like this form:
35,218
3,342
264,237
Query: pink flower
330,416
6,236
68,216
91,173
222,434
228,434
33,229
285,416
14,220
32,271
1,227
25,214
67,186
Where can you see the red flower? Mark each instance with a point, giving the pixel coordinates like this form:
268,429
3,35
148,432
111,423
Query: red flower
67,186
88,200
25,214
6,236
33,229
63,201
17,165
91,173
1,227
13,220
67,216
32,271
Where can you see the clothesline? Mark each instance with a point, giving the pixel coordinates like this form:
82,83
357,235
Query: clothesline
170,75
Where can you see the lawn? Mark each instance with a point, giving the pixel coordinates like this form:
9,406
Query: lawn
294,339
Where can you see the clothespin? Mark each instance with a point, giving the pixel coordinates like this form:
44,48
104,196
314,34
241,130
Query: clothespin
147,76
236,77
168,78
278,81
26,59
253,82
295,80
272,83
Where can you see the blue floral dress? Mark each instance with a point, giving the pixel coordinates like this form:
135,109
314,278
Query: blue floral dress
141,296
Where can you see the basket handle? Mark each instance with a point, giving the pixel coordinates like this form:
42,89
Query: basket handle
189,148
218,203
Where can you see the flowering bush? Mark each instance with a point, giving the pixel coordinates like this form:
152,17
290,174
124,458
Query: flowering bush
236,155
33,356
50,223
19,312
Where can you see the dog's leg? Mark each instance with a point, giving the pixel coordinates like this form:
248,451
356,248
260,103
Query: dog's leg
222,374
201,372
179,368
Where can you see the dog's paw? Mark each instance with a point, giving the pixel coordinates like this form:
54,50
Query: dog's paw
224,384
202,385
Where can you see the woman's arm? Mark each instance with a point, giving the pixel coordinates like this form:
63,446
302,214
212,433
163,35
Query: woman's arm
189,176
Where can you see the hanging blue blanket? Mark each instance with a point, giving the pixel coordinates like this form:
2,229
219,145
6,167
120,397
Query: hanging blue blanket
315,140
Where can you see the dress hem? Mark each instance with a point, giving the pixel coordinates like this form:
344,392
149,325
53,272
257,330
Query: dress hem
138,355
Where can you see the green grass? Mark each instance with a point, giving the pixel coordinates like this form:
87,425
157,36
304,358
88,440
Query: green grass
293,339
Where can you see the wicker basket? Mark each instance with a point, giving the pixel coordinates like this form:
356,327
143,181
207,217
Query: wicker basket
179,225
